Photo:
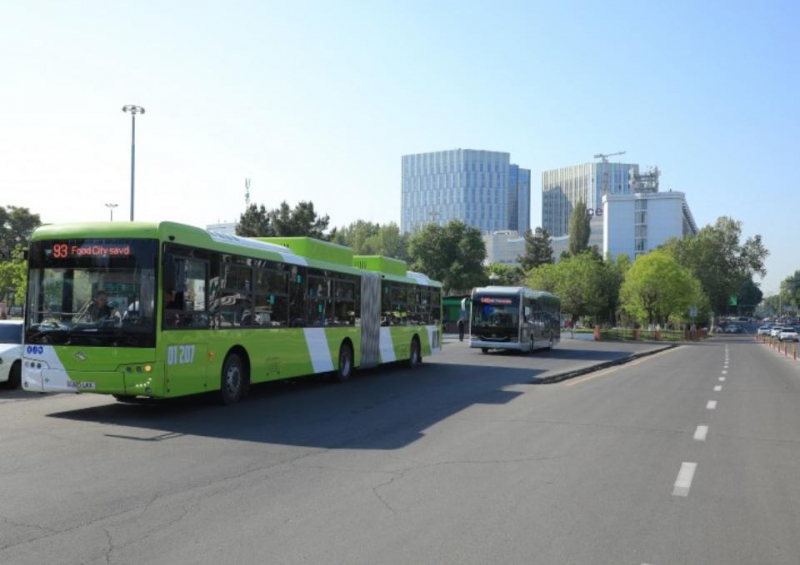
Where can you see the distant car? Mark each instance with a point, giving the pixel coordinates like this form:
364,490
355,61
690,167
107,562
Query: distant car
733,329
775,331
788,333
10,353
764,330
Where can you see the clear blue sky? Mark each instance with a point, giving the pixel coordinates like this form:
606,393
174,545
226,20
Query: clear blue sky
318,101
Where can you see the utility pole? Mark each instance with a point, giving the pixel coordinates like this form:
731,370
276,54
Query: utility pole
133,110
111,210
247,193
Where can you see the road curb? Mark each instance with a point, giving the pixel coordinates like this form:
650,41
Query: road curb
600,366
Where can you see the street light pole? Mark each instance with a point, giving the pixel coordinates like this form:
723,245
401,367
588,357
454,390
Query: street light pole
133,111
111,209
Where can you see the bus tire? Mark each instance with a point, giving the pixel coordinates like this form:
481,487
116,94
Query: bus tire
414,353
232,380
14,376
344,369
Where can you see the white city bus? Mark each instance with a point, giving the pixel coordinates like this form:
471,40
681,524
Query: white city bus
514,317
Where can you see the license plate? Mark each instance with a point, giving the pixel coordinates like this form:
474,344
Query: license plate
81,385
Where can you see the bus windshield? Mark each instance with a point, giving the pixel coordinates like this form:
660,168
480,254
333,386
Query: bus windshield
92,292
495,312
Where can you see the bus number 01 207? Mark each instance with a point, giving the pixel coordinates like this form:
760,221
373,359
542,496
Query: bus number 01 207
180,354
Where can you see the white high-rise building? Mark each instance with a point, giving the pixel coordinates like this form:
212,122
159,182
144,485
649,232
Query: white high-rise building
637,223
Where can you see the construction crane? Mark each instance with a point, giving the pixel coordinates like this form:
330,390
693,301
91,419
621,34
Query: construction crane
605,156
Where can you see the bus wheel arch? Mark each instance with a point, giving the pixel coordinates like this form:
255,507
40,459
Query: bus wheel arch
235,375
346,362
415,352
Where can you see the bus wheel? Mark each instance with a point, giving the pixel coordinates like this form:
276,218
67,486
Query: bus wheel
484,350
345,369
14,376
232,380
415,355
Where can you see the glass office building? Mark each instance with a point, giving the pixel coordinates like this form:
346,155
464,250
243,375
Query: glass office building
481,188
562,188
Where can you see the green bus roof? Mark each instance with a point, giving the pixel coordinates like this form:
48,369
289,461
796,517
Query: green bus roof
300,250
314,249
381,264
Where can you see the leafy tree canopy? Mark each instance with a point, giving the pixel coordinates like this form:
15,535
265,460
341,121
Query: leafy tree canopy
283,221
538,249
719,259
16,226
657,288
503,275
579,229
453,254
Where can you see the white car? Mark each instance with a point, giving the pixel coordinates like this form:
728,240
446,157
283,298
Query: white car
10,353
764,330
775,331
788,333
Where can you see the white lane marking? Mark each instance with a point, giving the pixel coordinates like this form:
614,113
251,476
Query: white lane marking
712,404
684,481
722,379
700,433
717,388
724,372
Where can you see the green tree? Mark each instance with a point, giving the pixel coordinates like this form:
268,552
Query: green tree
13,277
749,295
614,272
367,238
657,288
580,282
302,221
453,254
16,226
503,275
254,222
790,290
538,249
719,260
579,229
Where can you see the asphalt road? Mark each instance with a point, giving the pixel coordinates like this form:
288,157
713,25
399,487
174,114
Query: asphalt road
462,461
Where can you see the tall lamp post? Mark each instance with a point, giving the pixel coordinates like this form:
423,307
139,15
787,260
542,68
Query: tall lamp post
133,110
111,209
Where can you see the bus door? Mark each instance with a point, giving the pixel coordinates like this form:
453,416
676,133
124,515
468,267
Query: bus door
184,341
526,322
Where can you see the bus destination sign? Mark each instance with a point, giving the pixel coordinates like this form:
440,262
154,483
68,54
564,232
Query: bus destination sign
67,251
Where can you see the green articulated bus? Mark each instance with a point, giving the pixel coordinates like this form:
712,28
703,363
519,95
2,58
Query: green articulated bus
163,310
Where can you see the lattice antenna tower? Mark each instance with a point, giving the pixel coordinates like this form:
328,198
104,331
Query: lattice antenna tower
247,193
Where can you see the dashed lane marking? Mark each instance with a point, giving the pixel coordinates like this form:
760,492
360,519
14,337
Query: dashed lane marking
684,481
717,388
712,405
700,433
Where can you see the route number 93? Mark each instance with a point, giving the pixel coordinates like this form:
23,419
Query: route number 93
180,354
